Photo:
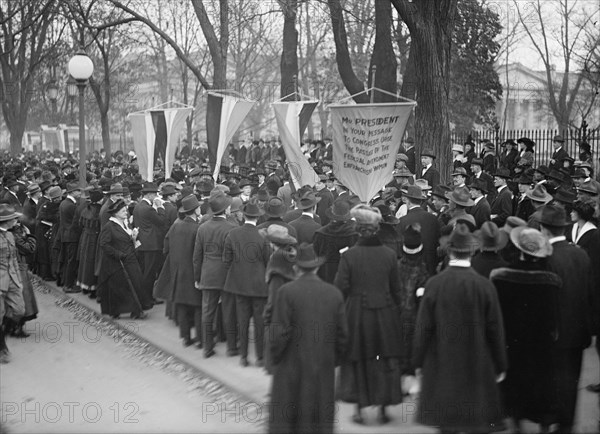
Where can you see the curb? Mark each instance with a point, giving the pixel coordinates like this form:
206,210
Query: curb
153,354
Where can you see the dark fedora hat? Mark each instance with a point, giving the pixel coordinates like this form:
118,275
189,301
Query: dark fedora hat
460,196
245,182
553,216
307,257
565,196
477,161
73,186
234,190
491,238
544,170
579,173
462,240
218,201
116,206
339,211
556,175
168,190
479,184
524,179
308,200
45,185
251,208
558,138
441,190
275,207
189,203
33,188
460,171
96,195
503,173
262,195
149,187
414,192
428,152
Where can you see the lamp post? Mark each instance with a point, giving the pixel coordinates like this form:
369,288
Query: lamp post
81,69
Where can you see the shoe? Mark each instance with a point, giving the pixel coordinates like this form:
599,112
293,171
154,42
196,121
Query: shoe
232,353
4,357
244,362
71,290
383,419
199,345
357,418
85,291
209,354
155,301
260,363
92,294
117,316
593,388
20,333
187,342
138,315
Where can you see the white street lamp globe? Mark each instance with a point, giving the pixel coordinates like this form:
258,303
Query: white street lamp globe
81,67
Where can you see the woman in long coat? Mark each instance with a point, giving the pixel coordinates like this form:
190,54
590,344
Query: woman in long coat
338,234
368,278
120,274
280,270
528,296
46,228
88,243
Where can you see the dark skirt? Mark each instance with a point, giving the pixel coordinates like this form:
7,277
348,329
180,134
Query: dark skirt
31,308
370,382
116,294
88,245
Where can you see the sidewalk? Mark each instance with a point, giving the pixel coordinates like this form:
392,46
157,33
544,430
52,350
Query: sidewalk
253,384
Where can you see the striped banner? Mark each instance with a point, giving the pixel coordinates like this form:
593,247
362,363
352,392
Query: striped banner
225,114
155,135
292,119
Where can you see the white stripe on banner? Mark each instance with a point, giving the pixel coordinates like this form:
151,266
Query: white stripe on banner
287,115
175,120
138,130
150,142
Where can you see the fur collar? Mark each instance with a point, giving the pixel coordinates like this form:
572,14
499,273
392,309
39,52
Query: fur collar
369,242
526,277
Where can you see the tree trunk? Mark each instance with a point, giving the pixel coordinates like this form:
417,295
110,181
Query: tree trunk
16,136
289,54
105,132
383,56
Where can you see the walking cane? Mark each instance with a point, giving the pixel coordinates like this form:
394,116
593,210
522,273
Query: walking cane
132,289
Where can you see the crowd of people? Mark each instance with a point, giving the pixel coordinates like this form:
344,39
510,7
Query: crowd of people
483,293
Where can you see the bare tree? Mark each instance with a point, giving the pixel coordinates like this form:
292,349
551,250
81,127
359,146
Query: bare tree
568,34
24,29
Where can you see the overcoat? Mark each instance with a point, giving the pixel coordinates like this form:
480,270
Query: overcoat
459,345
118,258
432,176
524,209
305,228
302,393
69,227
88,245
324,204
481,212
502,207
208,266
430,233
246,254
328,241
179,246
485,262
152,225
529,303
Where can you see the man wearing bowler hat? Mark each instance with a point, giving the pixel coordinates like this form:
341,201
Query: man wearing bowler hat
430,228
559,153
246,254
502,205
69,236
428,172
210,273
150,217
572,265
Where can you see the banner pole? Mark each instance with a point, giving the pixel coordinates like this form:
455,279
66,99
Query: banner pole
373,84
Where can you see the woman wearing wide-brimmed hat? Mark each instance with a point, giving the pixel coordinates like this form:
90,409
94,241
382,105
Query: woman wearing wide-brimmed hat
119,281
280,270
528,296
336,235
368,278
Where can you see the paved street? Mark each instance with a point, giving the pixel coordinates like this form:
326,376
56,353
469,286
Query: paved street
77,373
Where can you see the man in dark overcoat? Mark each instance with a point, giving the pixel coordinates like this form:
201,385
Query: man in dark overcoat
246,254
305,225
430,227
179,245
572,265
481,211
502,205
210,273
69,236
302,392
459,346
150,217
428,172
